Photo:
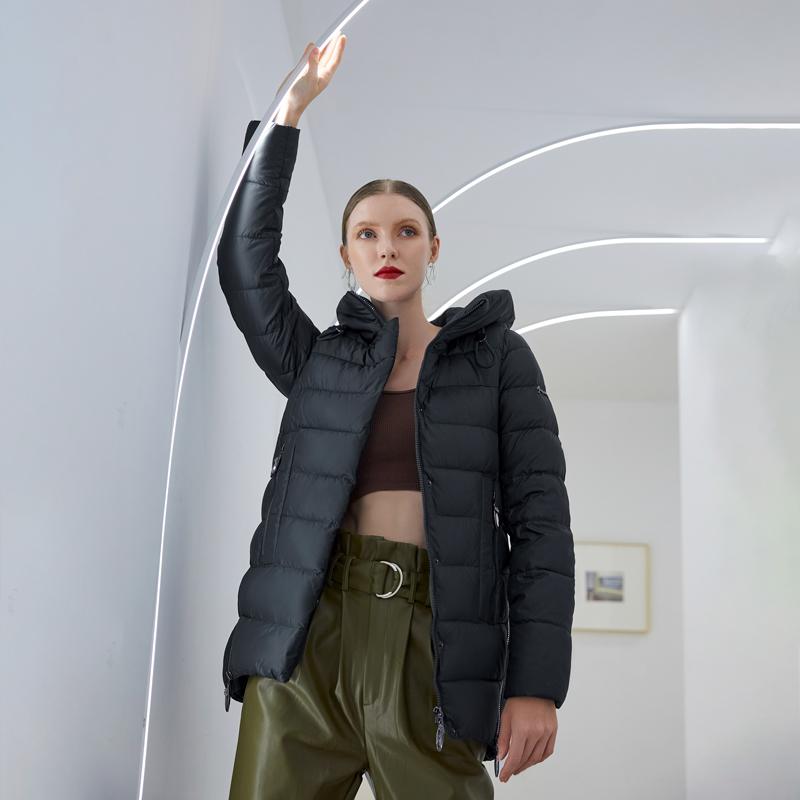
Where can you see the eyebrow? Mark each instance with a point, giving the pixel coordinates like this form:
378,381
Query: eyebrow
406,219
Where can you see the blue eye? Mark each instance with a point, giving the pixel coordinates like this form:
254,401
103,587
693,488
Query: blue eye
406,228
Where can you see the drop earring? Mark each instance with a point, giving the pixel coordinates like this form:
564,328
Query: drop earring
430,274
349,282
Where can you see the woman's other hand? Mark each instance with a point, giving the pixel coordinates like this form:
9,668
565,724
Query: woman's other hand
528,727
319,69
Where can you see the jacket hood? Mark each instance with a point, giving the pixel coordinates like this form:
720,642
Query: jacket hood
357,312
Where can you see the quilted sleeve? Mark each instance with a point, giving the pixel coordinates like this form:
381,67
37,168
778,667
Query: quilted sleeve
535,513
253,278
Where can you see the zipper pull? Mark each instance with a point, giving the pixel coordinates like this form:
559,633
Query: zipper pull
495,509
228,692
437,715
277,459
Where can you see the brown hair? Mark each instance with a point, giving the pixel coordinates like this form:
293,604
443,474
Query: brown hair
388,186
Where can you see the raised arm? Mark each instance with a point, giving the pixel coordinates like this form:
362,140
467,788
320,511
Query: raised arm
253,278
535,508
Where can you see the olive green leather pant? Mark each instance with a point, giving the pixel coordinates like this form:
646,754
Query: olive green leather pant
361,699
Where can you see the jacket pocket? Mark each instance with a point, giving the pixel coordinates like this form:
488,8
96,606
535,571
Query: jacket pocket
268,503
502,553
487,571
282,473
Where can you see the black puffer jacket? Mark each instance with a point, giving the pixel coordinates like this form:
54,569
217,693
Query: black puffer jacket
490,462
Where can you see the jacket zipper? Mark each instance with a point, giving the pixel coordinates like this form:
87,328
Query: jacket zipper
502,688
275,462
496,513
438,713
371,305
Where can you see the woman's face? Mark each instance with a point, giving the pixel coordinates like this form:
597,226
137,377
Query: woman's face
383,230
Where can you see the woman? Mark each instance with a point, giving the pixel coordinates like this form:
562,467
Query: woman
377,617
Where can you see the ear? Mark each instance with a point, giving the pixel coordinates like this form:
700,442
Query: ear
435,247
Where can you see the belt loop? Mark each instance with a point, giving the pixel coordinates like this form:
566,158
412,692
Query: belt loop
346,579
412,589
332,567
422,559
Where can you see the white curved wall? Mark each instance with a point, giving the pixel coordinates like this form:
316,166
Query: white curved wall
740,473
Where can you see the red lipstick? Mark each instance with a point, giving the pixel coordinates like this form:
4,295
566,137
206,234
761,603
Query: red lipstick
389,271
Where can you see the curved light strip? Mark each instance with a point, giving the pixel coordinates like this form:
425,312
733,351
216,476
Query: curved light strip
619,240
190,311
585,137
627,312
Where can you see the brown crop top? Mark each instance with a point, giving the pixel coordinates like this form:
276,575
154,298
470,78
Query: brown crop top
389,459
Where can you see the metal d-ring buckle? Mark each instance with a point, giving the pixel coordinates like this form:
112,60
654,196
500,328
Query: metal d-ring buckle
396,568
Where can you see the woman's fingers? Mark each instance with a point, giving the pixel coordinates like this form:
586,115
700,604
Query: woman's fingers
331,57
332,52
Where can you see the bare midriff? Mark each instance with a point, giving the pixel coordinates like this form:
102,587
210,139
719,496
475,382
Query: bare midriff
395,514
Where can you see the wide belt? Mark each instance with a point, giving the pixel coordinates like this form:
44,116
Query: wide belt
384,579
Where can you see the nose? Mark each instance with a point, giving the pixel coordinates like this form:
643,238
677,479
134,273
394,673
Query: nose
388,249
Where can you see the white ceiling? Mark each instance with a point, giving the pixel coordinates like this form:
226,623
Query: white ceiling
436,93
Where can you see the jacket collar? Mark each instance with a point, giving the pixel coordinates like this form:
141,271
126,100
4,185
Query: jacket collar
358,313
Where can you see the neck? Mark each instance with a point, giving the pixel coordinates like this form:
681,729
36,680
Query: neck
415,332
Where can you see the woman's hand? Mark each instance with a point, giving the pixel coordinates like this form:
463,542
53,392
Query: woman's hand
319,70
527,736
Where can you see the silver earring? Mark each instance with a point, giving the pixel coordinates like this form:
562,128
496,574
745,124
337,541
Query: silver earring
349,282
430,273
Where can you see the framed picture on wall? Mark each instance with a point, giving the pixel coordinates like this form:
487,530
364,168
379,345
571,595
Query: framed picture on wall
612,587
